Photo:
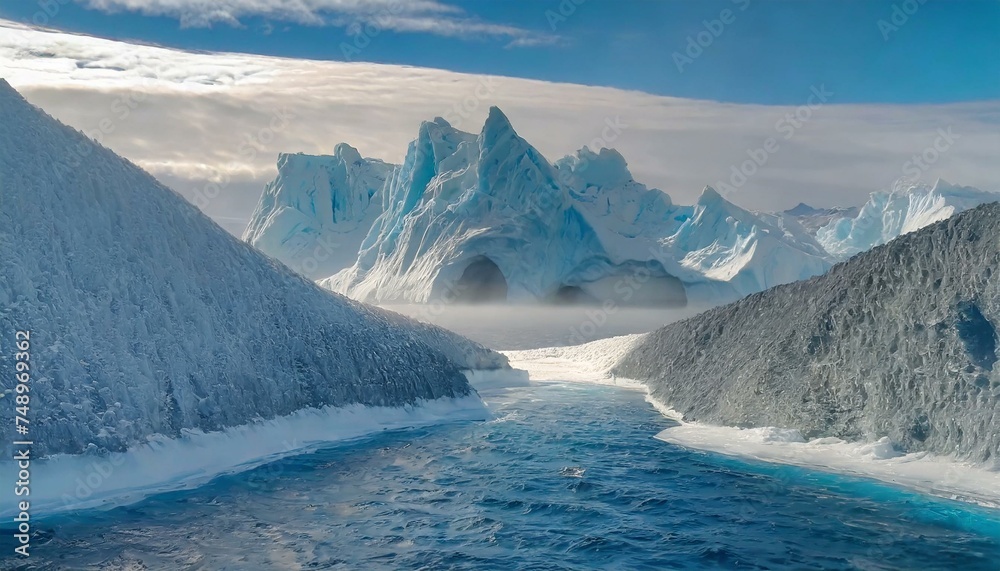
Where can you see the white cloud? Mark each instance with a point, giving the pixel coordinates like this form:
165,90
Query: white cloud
196,120
424,16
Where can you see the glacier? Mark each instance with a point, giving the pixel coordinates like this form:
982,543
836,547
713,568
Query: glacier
485,217
149,321
899,342
315,214
909,206
812,219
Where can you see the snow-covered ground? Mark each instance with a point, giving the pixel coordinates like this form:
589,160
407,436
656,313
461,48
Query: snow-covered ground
71,482
590,362
927,473
900,341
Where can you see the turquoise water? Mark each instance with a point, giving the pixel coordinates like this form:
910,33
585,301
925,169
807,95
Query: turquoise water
566,477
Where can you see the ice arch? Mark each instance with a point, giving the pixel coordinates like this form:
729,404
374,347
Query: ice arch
481,282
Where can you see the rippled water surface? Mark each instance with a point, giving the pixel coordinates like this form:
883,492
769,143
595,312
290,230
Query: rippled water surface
565,477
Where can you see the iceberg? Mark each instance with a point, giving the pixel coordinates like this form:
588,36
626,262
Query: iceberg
315,214
812,219
148,321
476,218
485,217
888,214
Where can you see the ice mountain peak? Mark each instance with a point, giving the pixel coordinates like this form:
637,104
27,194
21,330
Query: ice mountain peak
497,124
347,153
585,169
441,121
498,135
907,207
803,209
711,197
315,213
6,90
941,184
488,214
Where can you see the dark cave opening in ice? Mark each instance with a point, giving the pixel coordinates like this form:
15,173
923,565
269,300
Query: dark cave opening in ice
572,295
481,282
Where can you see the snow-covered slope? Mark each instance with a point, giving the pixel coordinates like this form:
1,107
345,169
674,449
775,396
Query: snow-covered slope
147,319
487,217
897,342
745,250
315,214
906,208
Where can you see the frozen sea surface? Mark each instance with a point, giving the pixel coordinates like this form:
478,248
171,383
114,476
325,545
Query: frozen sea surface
566,476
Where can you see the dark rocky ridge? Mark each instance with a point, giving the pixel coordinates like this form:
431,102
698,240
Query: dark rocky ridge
900,341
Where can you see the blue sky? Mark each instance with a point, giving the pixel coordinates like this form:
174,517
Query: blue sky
866,51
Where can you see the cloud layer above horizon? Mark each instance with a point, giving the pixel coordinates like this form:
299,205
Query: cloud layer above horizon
423,16
217,121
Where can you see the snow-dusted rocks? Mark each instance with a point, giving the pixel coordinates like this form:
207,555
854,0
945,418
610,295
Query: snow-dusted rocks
148,320
897,342
906,208
487,218
315,214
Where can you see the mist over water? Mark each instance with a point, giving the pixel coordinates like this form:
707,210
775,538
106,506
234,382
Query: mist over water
510,327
